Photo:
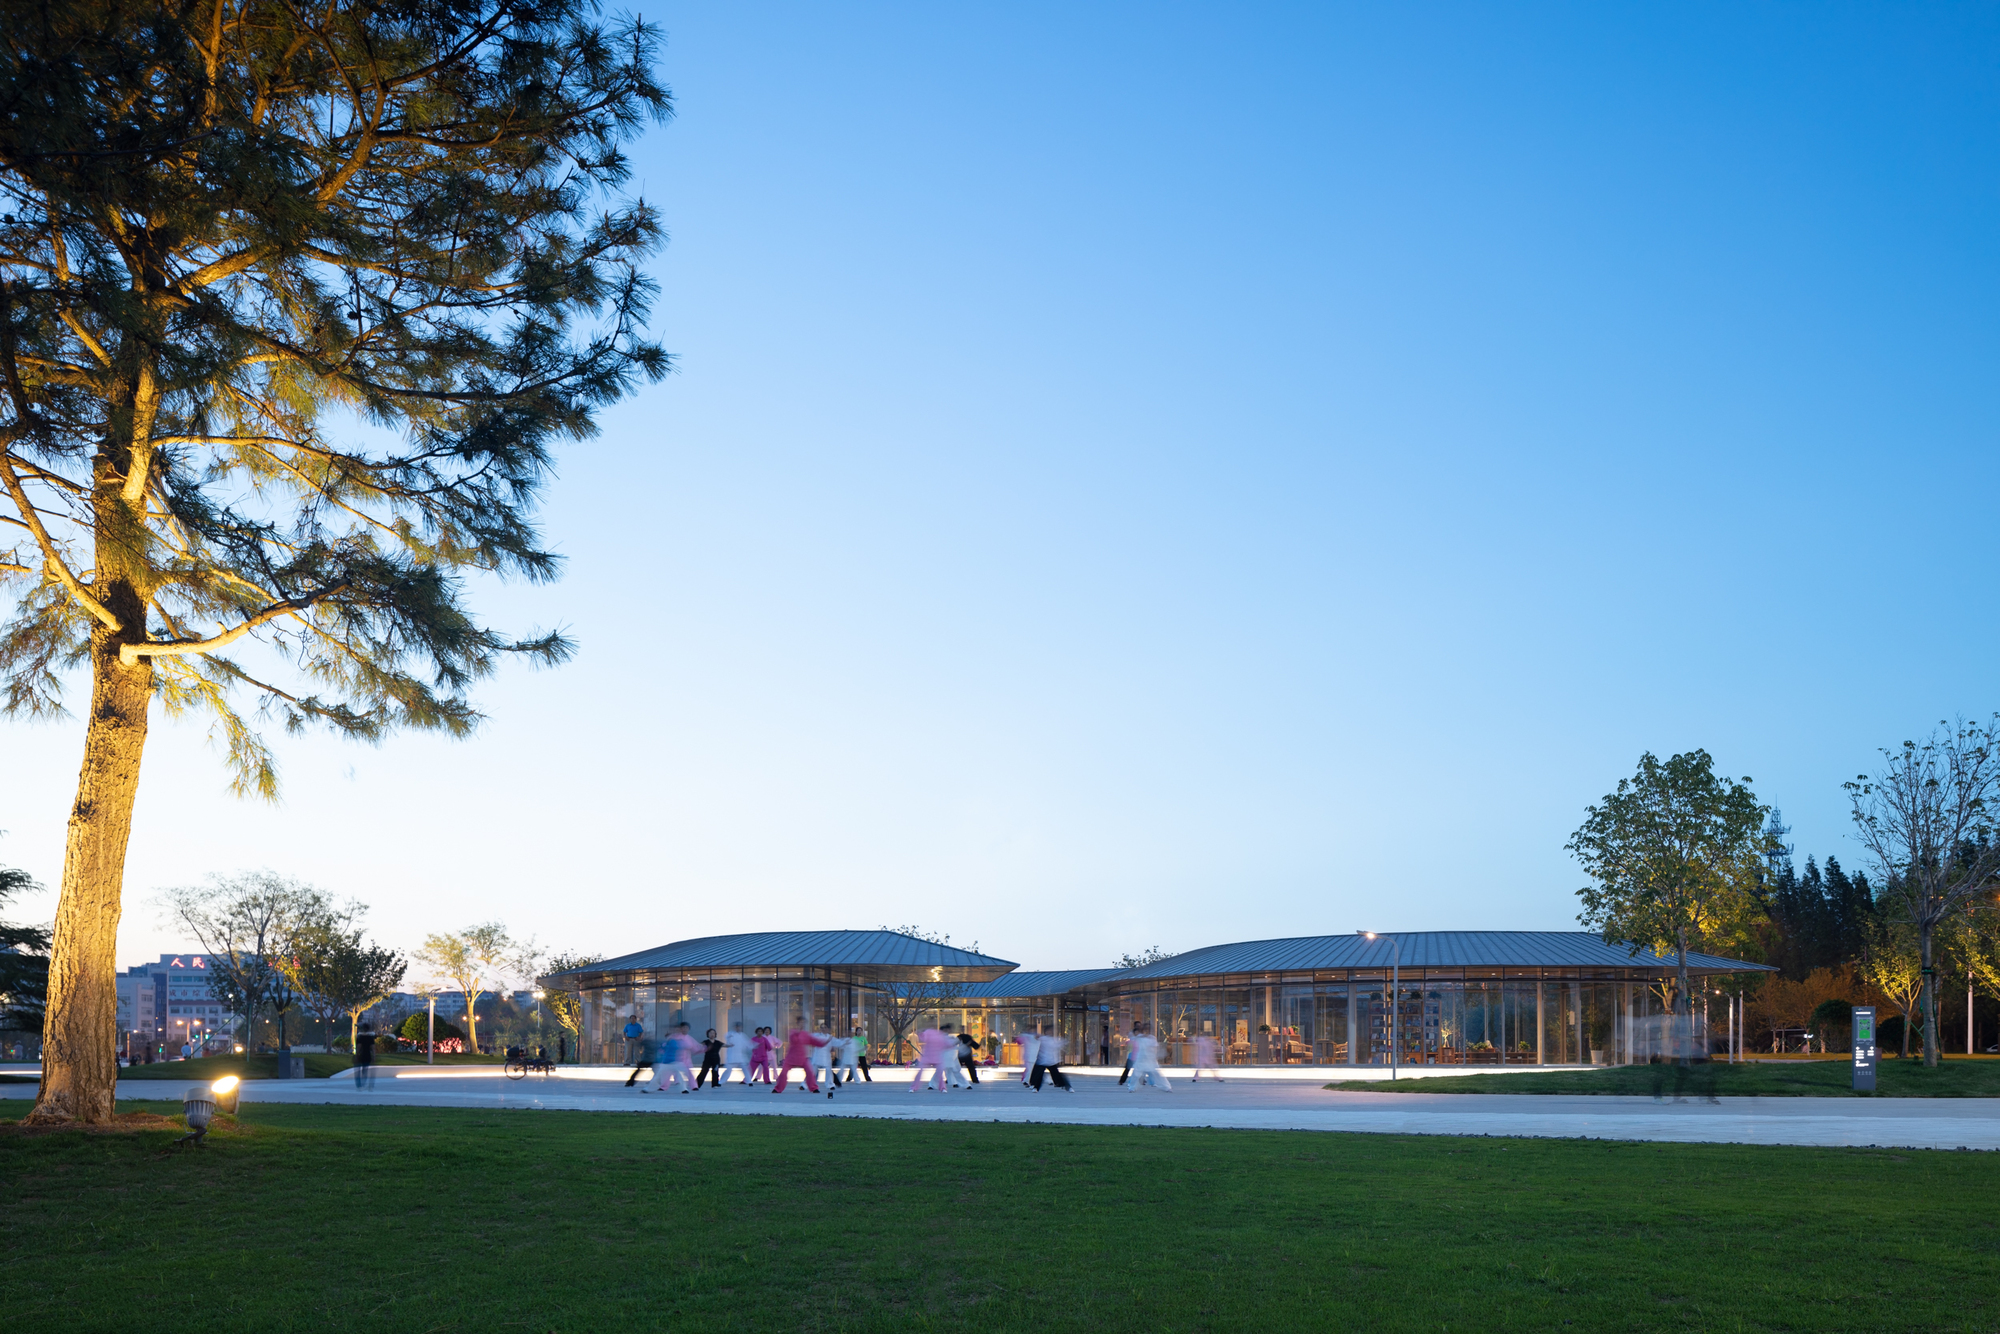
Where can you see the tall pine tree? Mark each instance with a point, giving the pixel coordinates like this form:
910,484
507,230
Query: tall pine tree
295,304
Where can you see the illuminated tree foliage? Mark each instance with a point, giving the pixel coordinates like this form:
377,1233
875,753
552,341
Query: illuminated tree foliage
295,305
1674,856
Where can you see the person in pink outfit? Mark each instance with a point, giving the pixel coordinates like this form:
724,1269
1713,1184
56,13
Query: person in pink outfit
760,1058
798,1055
931,1050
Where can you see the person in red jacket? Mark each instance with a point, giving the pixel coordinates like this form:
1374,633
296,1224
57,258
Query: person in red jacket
798,1043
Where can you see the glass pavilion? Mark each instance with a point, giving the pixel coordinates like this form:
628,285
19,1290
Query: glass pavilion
1440,997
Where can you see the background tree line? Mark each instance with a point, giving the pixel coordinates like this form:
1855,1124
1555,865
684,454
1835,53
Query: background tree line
1685,861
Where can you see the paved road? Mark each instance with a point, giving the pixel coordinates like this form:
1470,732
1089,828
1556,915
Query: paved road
1931,1123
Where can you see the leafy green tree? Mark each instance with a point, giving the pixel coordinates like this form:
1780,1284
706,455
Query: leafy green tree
1894,966
474,958
295,304
1928,820
560,993
1151,954
1674,856
337,974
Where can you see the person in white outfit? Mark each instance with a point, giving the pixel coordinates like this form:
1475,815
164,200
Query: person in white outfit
1146,1060
827,1056
736,1053
1206,1050
952,1069
1031,1043
849,1058
1048,1061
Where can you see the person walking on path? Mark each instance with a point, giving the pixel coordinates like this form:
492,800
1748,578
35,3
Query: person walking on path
968,1056
1146,1060
711,1061
636,1048
1048,1061
364,1058
1206,1054
798,1048
736,1053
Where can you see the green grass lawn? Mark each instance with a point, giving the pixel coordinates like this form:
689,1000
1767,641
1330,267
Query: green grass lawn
319,1065
339,1218
1817,1079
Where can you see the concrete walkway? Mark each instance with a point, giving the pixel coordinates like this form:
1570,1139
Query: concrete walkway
1923,1123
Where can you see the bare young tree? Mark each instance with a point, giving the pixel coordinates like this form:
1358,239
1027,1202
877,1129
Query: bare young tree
903,1004
1927,820
246,924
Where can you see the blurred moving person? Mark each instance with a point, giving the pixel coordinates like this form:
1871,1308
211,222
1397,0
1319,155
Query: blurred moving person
736,1053
1146,1060
1207,1052
1048,1061
364,1058
798,1056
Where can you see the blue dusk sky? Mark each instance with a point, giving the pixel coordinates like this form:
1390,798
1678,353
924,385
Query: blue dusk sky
1164,475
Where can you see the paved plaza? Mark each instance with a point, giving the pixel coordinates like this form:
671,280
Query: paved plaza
1241,1104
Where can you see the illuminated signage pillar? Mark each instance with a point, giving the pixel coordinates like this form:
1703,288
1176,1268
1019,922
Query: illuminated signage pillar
1864,1049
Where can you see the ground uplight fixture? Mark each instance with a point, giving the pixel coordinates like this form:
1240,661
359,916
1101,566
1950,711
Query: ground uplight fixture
225,1091
198,1105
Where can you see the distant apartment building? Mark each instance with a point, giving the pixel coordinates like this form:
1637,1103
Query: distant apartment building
167,1004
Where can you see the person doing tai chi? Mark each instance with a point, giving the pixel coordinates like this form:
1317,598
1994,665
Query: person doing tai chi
711,1061
1146,1060
953,1068
676,1063
851,1059
736,1053
798,1048
1206,1054
1048,1061
1031,1042
931,1052
968,1056
824,1056
760,1057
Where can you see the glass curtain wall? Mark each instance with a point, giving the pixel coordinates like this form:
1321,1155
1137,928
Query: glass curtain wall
1440,1017
1468,1017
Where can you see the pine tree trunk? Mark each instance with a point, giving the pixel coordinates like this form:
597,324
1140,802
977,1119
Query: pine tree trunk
79,1050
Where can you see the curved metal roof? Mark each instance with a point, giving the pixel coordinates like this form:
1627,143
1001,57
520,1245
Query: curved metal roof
1016,985
1426,949
888,955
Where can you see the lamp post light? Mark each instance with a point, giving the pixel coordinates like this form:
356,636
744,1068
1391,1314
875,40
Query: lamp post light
431,1036
1395,1000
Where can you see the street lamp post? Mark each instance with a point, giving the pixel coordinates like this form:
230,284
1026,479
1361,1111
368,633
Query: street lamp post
431,1036
1395,1000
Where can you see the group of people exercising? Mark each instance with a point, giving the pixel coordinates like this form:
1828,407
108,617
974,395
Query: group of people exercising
952,1058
